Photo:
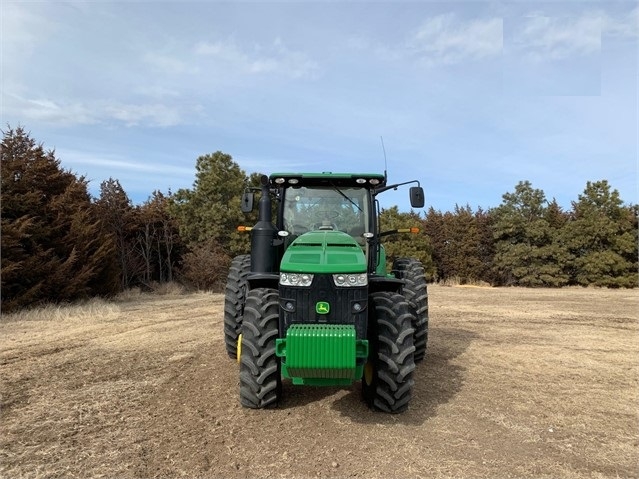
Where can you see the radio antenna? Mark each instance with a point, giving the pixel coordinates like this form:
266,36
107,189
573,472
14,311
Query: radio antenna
385,163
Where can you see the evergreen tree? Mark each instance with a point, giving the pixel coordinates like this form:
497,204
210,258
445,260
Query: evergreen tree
54,247
601,238
526,253
460,247
158,238
403,245
120,220
464,244
486,246
210,211
433,225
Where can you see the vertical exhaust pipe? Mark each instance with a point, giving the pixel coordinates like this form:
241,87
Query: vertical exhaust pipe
263,233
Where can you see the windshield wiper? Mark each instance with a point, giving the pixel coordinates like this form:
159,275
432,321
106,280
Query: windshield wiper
344,195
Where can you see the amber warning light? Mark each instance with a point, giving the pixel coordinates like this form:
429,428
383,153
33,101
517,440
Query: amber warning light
413,230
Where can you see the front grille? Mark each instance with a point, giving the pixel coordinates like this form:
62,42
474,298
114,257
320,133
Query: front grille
323,289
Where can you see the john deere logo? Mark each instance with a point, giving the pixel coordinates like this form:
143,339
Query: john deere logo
322,307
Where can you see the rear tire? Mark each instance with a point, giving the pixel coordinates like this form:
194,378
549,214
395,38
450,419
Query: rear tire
260,376
234,298
387,384
415,290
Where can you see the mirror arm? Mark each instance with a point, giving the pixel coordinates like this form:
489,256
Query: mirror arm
393,187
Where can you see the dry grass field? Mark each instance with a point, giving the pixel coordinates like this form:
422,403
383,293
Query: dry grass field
517,383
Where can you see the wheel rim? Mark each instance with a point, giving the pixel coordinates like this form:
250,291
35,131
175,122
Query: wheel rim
239,348
368,373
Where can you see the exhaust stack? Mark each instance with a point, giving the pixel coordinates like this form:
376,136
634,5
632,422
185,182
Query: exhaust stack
263,233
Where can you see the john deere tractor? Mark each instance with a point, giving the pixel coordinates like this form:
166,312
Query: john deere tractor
314,303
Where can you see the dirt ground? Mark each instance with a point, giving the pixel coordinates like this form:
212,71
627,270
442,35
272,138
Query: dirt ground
516,383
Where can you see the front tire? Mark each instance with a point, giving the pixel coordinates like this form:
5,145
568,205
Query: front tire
234,298
260,377
387,384
416,292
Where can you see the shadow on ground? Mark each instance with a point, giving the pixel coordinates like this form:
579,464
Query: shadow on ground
437,381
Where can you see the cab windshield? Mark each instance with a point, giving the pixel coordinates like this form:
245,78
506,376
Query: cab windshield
326,208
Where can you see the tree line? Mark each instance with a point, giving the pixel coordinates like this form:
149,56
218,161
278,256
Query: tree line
530,241
59,243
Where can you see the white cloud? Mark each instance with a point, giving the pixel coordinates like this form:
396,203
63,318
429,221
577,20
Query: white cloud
48,111
275,58
153,114
543,38
79,159
553,38
70,113
624,26
448,39
138,174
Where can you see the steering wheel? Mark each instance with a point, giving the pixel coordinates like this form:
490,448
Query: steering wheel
327,227
328,214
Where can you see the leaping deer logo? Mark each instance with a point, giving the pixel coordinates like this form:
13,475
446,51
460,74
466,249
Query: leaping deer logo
322,307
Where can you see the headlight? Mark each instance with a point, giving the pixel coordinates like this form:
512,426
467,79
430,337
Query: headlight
296,279
350,280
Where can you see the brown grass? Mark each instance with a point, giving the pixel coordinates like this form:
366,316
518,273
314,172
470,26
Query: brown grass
517,383
457,281
81,311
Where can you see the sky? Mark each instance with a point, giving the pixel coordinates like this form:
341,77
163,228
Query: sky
469,97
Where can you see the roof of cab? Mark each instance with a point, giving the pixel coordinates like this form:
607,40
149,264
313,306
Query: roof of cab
328,178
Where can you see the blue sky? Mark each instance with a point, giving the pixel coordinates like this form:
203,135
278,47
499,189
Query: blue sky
469,97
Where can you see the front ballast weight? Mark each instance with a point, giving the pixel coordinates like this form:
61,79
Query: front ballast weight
322,354
313,303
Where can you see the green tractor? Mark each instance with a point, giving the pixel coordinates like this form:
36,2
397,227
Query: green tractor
314,303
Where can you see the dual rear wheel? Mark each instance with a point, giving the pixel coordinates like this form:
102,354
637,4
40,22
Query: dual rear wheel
415,291
260,376
387,384
234,300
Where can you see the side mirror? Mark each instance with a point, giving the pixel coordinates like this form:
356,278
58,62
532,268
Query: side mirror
247,202
417,197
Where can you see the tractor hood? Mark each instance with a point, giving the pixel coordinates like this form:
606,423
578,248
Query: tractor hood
324,252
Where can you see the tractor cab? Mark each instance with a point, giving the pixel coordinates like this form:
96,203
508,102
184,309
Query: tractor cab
310,208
